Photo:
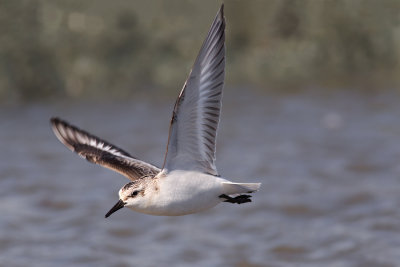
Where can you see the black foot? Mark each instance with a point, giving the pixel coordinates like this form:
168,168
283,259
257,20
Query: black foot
238,200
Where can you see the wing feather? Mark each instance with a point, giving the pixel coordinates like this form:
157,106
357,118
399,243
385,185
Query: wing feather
100,152
192,137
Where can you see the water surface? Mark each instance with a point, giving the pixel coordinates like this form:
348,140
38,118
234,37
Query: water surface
330,196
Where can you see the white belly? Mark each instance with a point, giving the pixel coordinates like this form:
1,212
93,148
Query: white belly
183,192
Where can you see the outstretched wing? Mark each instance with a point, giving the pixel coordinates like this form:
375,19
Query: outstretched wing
100,152
194,123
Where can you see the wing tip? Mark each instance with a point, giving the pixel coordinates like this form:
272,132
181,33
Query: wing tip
221,15
55,120
221,11
57,126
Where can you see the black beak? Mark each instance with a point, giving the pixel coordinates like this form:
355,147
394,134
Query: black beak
120,204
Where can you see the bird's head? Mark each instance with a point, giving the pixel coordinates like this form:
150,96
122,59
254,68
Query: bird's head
130,195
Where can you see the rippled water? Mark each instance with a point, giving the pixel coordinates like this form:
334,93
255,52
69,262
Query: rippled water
329,164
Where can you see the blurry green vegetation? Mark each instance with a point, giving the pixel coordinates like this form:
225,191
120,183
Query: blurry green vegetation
117,48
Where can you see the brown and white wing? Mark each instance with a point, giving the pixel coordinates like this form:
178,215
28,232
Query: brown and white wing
100,152
194,123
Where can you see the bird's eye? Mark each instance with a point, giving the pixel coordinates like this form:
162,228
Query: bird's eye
134,193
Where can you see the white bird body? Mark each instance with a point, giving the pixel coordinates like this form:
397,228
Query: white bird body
185,192
180,193
188,182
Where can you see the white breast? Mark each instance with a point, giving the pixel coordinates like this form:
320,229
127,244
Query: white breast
183,192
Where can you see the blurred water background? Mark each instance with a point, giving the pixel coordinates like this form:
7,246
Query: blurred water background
311,110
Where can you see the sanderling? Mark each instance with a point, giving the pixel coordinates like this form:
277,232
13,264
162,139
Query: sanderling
188,182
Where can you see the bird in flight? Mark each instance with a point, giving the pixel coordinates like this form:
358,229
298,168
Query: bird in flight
188,181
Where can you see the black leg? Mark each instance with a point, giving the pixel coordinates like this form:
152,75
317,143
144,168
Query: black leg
238,200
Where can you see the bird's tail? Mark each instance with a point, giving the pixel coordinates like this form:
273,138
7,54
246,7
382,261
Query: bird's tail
240,188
